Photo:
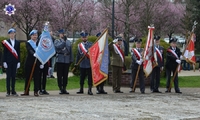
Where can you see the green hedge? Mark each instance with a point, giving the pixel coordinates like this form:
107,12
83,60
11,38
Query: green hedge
23,53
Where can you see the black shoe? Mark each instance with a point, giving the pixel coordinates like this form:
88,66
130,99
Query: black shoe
36,94
80,91
7,94
90,92
103,92
61,92
156,91
14,93
179,92
25,94
45,92
142,92
118,91
65,92
98,92
41,93
167,91
52,76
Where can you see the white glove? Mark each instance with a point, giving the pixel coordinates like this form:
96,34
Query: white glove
181,57
138,62
5,65
178,61
18,65
41,66
34,55
115,40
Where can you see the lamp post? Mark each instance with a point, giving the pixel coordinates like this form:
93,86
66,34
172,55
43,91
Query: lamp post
113,17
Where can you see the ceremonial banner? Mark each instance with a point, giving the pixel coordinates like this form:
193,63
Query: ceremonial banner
150,58
98,54
189,52
45,49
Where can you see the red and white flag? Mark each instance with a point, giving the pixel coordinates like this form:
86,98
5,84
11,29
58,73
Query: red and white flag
189,52
99,59
150,58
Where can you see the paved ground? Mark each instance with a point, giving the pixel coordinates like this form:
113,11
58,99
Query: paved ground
113,106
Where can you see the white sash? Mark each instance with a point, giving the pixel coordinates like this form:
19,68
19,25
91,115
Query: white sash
137,53
159,53
119,52
10,48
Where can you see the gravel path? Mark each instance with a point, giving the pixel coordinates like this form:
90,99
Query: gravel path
126,106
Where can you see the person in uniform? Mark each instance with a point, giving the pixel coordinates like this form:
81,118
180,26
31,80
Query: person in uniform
117,63
155,75
11,61
64,58
100,87
85,68
172,63
31,46
43,79
136,62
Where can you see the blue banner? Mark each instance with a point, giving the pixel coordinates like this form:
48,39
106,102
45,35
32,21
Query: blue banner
45,49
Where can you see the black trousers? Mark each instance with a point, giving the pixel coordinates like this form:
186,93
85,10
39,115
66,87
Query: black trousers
10,74
168,74
35,76
62,75
83,73
43,77
140,76
100,86
155,79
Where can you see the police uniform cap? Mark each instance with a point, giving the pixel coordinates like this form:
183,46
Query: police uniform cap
84,34
11,30
61,31
98,34
138,40
33,32
173,40
119,38
156,37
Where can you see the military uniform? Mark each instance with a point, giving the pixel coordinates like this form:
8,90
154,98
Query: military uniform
85,68
136,61
63,60
11,62
155,75
117,62
172,61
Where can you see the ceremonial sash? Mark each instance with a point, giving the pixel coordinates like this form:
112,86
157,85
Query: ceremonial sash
10,48
137,54
119,51
83,49
179,66
159,54
33,44
171,51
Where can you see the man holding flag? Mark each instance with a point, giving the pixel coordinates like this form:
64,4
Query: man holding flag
155,75
173,65
85,68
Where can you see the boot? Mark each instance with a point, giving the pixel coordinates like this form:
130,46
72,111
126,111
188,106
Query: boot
81,90
102,90
90,90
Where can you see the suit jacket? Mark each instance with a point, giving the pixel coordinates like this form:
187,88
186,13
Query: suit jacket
160,63
8,57
134,64
64,51
116,60
85,63
30,59
171,63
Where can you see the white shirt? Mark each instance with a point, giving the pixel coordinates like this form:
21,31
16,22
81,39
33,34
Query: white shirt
12,42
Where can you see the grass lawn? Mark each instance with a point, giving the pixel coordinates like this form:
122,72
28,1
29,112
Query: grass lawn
73,83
